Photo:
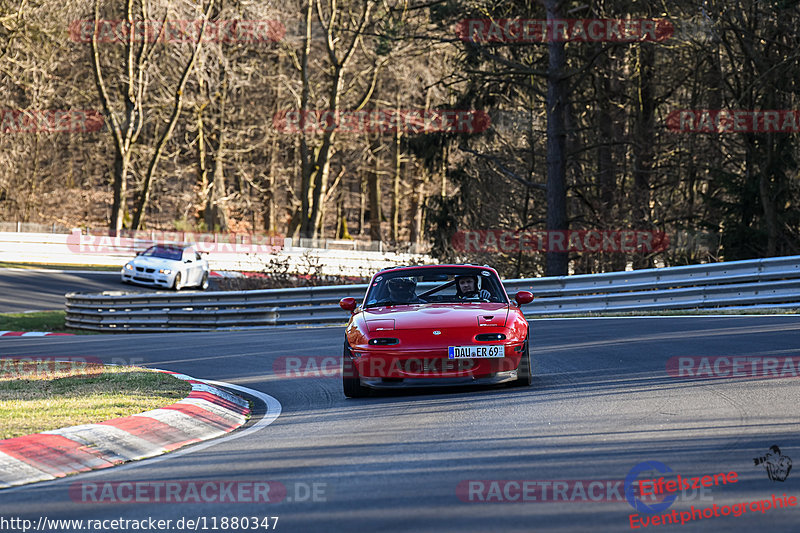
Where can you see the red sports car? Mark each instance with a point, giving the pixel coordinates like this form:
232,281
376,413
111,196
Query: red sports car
435,325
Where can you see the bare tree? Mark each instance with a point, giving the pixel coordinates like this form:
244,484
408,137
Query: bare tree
178,96
343,31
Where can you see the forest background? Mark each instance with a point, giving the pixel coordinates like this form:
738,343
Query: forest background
218,115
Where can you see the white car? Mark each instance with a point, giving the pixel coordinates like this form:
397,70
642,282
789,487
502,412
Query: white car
168,265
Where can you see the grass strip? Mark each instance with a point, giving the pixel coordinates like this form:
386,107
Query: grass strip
40,394
53,321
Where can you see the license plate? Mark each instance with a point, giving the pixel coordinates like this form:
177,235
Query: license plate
465,352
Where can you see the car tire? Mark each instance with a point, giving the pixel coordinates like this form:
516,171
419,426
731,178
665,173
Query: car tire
351,382
177,284
525,369
204,283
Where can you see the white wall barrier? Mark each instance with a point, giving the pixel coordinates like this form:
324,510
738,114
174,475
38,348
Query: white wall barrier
236,253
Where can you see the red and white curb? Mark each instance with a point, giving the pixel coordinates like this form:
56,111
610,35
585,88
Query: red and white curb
32,334
207,412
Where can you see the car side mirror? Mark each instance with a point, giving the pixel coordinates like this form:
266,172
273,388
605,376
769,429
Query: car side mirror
523,297
348,304
187,260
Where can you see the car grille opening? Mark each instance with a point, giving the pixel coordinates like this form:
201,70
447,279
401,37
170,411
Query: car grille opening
384,341
490,337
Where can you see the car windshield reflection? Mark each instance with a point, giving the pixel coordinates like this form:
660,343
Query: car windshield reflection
164,252
452,285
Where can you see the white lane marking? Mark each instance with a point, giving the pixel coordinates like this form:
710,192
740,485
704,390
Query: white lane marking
273,412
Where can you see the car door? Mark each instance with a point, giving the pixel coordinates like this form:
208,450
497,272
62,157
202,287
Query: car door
192,267
202,267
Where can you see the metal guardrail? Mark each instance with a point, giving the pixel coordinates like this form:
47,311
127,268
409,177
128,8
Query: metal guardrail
198,311
771,282
752,283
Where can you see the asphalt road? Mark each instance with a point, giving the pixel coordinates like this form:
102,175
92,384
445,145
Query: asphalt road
43,290
601,403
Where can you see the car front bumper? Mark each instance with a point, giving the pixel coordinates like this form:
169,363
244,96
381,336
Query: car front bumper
152,279
403,383
431,364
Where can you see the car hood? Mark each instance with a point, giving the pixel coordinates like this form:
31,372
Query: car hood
436,316
156,262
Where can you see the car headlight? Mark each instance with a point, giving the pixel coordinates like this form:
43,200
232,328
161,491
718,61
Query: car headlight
166,271
128,266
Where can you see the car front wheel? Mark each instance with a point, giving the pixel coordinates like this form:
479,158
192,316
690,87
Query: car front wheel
525,369
178,284
351,382
204,284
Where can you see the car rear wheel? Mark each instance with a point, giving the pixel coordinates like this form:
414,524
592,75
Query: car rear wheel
525,369
177,285
351,382
204,284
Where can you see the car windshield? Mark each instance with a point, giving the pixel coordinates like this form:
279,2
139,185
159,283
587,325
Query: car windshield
164,252
435,285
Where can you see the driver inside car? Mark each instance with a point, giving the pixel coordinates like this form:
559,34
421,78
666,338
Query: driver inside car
403,291
467,288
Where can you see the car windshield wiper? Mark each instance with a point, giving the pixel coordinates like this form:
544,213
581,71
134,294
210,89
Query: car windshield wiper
387,303
378,304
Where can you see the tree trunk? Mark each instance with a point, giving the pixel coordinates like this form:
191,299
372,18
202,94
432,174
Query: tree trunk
120,181
643,147
317,168
216,215
125,133
144,196
305,151
417,210
556,261
269,217
396,186
374,188
362,202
